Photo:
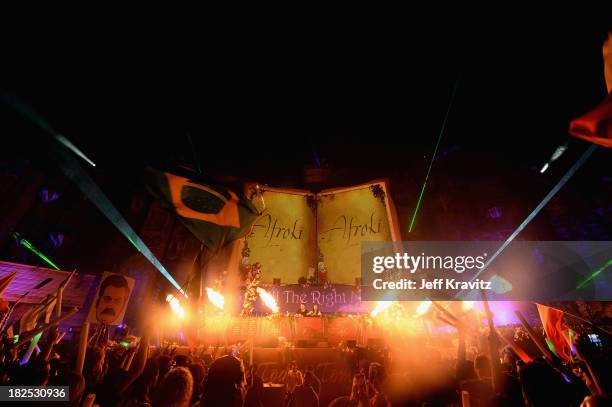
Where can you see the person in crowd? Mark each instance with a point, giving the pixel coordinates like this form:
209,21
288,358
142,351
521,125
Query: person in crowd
182,361
34,373
480,388
358,396
95,366
304,395
224,384
174,389
118,378
293,379
255,388
142,390
198,373
316,312
542,385
315,381
164,364
76,385
302,311
376,382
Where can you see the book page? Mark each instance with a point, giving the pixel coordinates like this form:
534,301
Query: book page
283,237
345,218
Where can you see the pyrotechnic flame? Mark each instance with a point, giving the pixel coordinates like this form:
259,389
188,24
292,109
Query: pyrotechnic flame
381,306
215,297
467,305
268,299
175,306
423,308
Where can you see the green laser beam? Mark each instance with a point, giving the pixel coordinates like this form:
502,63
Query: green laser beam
73,171
594,275
132,242
34,250
433,157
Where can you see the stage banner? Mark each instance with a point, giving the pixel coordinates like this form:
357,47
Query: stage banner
282,239
345,218
331,299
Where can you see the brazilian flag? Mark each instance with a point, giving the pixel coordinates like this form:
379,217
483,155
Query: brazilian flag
214,214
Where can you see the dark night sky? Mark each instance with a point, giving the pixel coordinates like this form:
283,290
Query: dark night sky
370,105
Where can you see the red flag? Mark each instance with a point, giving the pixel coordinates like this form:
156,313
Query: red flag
6,281
607,55
596,125
552,319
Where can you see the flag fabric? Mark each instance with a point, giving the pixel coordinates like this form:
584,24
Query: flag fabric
48,311
552,320
607,55
596,125
214,214
6,281
30,318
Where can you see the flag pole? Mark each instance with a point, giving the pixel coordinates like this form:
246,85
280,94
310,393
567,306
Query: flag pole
545,351
10,311
83,339
491,343
44,327
59,297
456,321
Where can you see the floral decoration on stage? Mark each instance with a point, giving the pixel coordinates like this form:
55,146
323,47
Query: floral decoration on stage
357,288
321,275
312,201
251,275
378,192
219,281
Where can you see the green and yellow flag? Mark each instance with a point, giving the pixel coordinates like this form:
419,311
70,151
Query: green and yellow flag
214,214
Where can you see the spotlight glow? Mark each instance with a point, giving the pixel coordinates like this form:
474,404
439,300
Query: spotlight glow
467,305
73,148
175,306
267,299
423,308
380,307
215,297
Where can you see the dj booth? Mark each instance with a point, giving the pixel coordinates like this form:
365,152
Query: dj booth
303,332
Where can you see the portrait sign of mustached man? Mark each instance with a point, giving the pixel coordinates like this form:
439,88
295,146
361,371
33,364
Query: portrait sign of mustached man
111,299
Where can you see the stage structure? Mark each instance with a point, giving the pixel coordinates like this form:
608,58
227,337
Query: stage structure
316,237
